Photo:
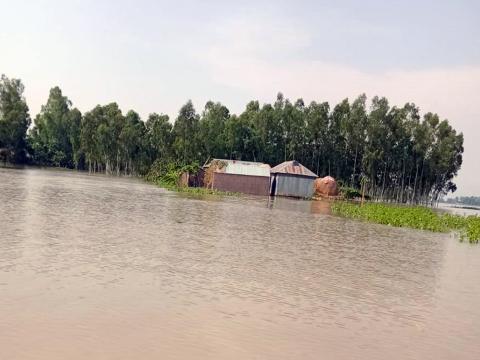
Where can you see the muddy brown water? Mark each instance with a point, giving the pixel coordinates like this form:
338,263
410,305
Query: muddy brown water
93,267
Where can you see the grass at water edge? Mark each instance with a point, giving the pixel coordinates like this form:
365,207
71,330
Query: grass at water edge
414,217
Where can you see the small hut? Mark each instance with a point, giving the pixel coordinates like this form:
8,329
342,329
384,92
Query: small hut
292,179
238,176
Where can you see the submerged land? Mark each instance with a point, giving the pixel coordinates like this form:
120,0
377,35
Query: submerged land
376,151
96,266
350,204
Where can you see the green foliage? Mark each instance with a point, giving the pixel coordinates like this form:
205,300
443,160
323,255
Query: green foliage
212,130
186,144
159,170
14,121
159,137
415,217
166,174
55,138
114,143
242,139
399,155
472,230
349,192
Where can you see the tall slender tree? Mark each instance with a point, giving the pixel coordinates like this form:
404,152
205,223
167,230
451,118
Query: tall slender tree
159,137
186,128
55,137
392,152
212,130
14,120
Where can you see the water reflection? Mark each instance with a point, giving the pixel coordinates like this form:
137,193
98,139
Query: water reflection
128,270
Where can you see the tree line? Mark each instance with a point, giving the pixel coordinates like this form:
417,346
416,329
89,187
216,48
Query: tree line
394,152
465,200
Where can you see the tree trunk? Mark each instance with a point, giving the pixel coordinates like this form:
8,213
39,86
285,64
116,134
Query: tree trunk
403,182
118,162
383,183
421,184
354,166
414,184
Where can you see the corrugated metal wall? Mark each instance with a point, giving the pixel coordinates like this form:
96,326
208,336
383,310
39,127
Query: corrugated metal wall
255,185
294,185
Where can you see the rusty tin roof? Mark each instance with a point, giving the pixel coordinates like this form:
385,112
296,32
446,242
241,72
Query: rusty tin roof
293,167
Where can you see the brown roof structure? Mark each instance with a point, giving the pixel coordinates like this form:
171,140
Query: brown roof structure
293,168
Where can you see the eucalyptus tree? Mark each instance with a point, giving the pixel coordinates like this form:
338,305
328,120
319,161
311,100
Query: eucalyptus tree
423,138
133,144
268,134
159,137
446,159
317,122
88,137
186,135
337,141
241,135
55,137
377,145
14,120
295,116
212,130
391,151
355,134
278,114
108,132
74,123
407,119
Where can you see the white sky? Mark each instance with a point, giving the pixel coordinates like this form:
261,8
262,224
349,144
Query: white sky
152,56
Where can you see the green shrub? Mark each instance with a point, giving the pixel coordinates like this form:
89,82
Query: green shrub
349,192
416,217
168,173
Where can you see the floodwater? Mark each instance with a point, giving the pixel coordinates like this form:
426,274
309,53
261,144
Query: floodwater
463,210
93,267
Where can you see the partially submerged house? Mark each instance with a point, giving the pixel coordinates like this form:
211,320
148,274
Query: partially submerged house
238,176
291,178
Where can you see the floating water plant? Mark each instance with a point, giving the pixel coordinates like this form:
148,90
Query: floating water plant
415,217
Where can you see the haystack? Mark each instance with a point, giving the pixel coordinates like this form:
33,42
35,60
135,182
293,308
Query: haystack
326,186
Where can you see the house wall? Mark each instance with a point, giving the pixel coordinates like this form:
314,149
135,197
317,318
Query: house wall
247,184
294,185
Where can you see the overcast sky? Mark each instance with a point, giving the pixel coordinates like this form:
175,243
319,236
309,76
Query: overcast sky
152,56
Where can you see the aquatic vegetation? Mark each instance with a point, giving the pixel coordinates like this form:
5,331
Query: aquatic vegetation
192,190
472,230
415,217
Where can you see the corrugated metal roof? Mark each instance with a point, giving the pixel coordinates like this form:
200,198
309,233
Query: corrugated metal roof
292,167
245,168
248,169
